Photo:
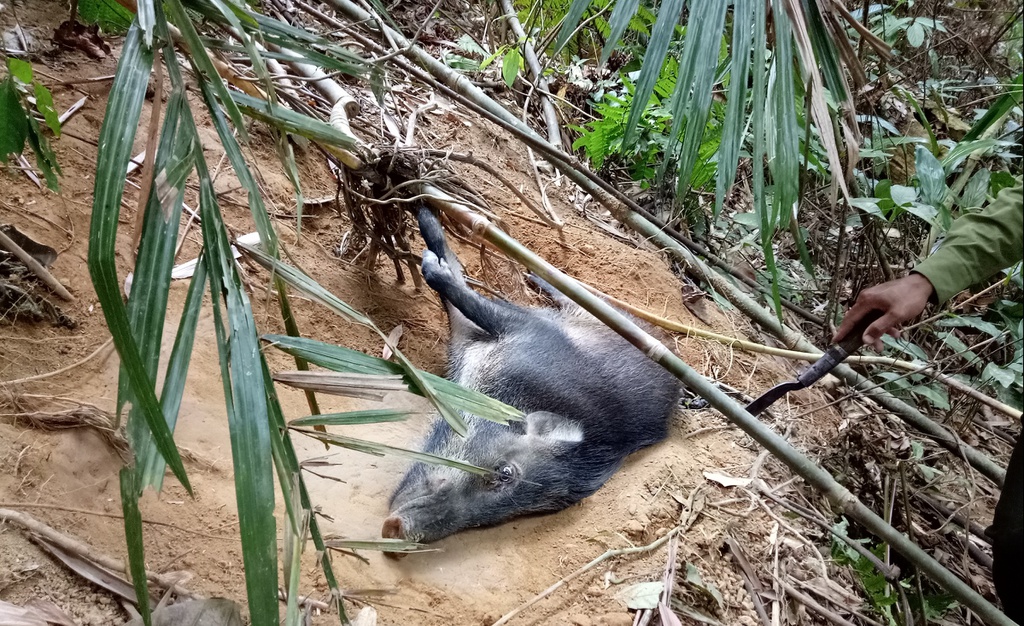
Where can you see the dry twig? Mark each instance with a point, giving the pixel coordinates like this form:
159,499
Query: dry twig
583,570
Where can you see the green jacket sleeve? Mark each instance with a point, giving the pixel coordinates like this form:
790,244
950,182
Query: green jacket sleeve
978,245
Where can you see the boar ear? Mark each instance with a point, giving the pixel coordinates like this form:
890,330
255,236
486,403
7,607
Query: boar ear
553,427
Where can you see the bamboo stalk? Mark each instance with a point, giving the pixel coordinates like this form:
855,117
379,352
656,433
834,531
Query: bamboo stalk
838,495
530,54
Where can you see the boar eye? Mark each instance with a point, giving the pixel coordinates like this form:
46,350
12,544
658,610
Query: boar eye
505,474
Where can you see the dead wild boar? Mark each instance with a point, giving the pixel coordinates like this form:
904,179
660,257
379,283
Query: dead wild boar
590,400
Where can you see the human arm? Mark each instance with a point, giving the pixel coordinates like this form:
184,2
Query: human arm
978,245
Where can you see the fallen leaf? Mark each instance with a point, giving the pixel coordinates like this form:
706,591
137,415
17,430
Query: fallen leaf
725,480
642,595
209,612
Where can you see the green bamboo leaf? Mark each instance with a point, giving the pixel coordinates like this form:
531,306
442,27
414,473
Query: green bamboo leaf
312,289
619,21
654,58
379,449
1014,96
292,122
569,24
786,165
708,20
146,14
306,44
247,410
339,359
732,130
933,142
202,64
760,86
382,545
151,465
268,236
350,418
961,151
130,492
151,283
116,137
290,462
825,50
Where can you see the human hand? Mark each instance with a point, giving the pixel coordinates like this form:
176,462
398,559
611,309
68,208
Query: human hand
899,300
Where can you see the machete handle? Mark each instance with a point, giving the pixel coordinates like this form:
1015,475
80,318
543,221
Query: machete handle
837,353
855,338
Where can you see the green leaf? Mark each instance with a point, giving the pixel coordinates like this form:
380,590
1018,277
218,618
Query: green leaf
931,176
292,122
130,492
569,24
350,418
915,35
937,397
108,14
44,104
621,16
732,131
146,13
310,287
970,321
825,50
510,66
654,58
340,359
383,545
759,94
958,346
976,190
46,160
1001,375
1013,97
247,410
22,70
13,120
151,282
379,449
291,465
117,134
964,149
700,52
202,64
902,195
933,142
786,166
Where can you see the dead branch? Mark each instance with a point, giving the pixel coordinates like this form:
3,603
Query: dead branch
28,379
69,544
34,265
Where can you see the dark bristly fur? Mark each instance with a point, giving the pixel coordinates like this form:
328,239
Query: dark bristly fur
591,399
